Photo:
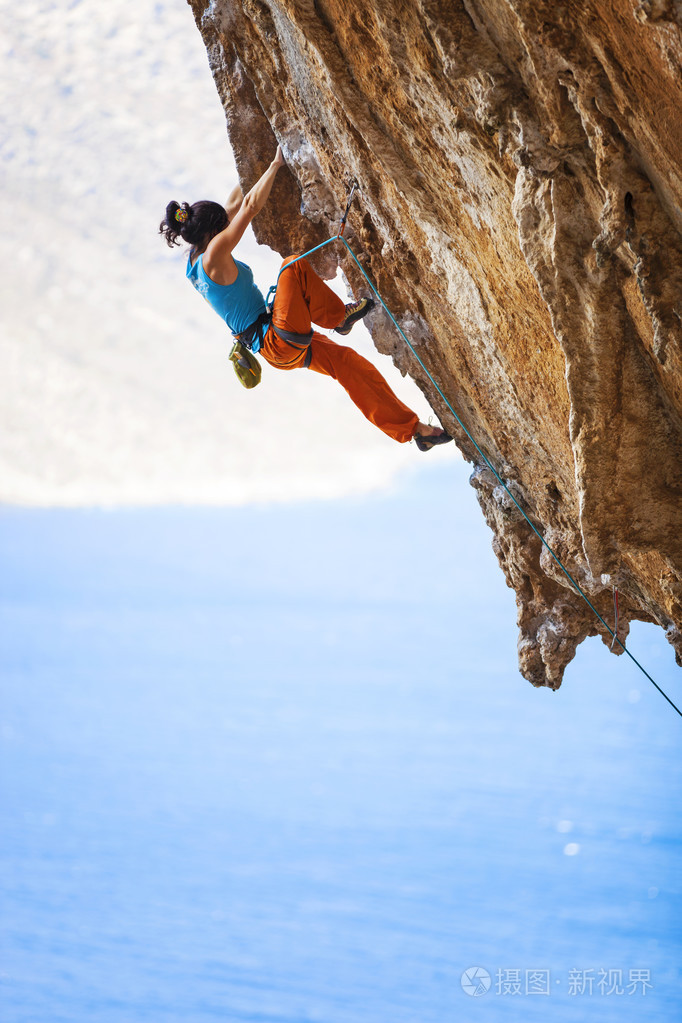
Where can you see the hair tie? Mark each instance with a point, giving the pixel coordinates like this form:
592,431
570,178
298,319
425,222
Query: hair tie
181,215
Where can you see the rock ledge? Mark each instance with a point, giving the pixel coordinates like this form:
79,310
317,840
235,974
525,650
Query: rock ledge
520,173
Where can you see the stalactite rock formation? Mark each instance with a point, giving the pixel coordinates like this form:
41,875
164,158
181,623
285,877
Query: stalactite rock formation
520,172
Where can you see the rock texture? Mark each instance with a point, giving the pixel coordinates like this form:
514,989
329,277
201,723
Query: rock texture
520,174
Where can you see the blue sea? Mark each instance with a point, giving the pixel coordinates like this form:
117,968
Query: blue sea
277,764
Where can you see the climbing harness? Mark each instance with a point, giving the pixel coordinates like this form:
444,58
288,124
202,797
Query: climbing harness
339,237
254,334
299,342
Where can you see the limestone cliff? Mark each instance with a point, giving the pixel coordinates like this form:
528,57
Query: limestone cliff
520,174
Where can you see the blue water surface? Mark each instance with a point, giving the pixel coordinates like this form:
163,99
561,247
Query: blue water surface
278,765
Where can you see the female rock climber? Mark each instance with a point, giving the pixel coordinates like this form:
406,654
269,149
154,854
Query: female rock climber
302,298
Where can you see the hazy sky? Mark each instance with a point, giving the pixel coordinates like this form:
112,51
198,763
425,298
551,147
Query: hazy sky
116,387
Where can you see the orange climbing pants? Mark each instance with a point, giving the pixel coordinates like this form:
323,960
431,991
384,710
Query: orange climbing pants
302,298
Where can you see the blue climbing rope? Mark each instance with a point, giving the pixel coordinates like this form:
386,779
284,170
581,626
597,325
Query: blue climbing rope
578,589
270,299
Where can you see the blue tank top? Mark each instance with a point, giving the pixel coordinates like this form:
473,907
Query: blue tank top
239,303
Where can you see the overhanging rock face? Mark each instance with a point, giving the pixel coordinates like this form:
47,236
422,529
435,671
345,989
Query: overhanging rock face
520,174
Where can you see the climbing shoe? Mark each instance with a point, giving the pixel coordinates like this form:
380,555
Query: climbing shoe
425,443
354,312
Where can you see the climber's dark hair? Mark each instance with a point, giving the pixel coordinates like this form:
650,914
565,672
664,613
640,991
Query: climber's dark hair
195,224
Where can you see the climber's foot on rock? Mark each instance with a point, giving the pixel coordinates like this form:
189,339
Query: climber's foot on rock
426,437
354,312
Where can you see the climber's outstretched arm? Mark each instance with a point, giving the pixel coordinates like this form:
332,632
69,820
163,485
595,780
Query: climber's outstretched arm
256,198
218,255
234,201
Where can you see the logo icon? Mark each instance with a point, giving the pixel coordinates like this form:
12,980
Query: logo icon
475,981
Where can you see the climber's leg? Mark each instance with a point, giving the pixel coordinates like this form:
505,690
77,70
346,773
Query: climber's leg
302,298
365,386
